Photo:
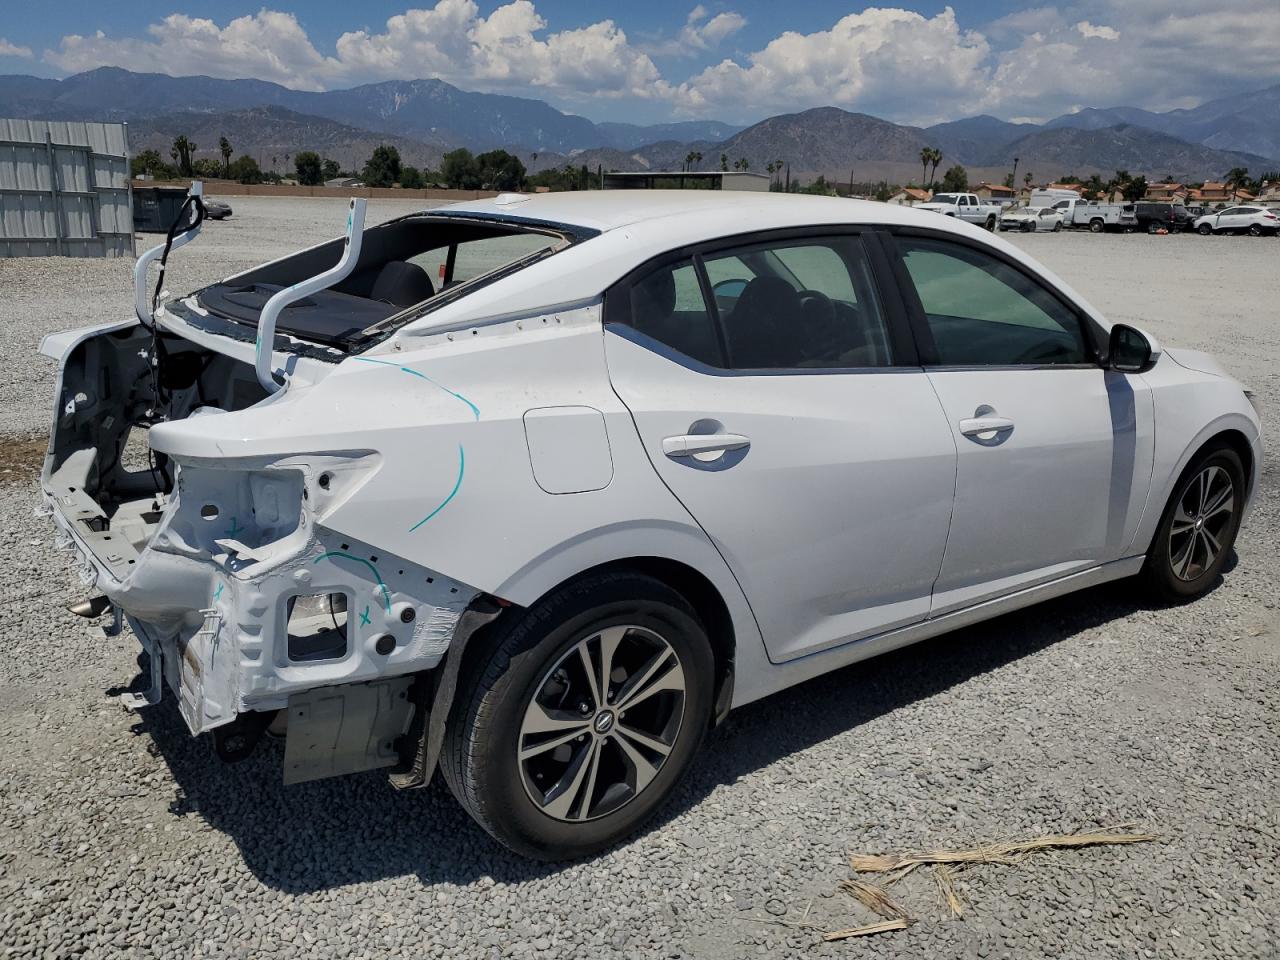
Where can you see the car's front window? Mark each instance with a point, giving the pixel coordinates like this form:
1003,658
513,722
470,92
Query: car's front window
983,312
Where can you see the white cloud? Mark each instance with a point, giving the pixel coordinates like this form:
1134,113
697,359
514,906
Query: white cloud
699,33
8,49
267,45
895,59
508,50
1091,32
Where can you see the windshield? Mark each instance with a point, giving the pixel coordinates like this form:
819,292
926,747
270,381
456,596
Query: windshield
946,198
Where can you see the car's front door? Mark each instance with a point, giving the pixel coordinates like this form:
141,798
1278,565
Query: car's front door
1055,451
778,405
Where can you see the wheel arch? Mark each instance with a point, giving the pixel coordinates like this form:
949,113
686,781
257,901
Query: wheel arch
695,587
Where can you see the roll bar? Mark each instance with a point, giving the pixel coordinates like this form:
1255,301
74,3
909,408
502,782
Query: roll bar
271,310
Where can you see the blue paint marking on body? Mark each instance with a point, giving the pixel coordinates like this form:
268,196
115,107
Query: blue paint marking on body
462,466
422,376
217,593
364,618
235,527
386,594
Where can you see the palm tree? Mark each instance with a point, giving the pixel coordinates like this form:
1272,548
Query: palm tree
181,151
724,161
273,161
926,154
1237,179
936,159
688,161
224,147
770,167
697,158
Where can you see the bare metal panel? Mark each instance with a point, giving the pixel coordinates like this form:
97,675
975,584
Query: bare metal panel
64,189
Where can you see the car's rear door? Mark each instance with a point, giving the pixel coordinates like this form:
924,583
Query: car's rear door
775,390
1055,451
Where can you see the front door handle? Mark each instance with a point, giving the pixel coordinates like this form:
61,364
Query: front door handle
692,444
975,426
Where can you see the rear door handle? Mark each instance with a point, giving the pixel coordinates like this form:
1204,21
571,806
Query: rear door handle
691,444
973,426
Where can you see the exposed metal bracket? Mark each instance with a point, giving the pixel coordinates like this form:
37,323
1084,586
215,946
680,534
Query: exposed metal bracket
151,696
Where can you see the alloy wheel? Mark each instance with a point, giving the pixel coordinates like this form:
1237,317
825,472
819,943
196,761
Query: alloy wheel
1202,516
601,723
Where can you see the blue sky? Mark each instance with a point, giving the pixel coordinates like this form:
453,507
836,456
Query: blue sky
737,60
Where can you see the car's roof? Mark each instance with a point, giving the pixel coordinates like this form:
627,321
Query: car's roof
753,210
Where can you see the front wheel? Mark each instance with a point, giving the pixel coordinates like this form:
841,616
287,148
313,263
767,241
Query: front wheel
1198,529
584,716
1057,227
1204,230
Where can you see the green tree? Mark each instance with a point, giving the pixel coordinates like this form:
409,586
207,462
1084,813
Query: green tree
724,161
181,151
459,170
224,148
310,171
206,168
382,169
500,170
1135,189
329,169
150,162
410,178
245,169
955,180
1237,179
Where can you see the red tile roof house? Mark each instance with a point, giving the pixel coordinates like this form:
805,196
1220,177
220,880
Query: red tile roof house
910,196
1166,192
1221,193
996,192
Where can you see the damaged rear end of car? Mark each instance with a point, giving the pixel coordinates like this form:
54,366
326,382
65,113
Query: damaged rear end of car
235,524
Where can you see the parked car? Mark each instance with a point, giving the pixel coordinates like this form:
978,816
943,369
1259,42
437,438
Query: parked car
1031,219
964,206
1253,220
216,209
1152,217
1104,216
544,527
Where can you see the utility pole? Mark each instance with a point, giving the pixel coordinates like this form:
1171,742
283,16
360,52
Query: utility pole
788,190
1014,184
851,183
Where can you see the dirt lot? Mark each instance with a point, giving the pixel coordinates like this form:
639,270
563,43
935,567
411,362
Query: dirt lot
120,836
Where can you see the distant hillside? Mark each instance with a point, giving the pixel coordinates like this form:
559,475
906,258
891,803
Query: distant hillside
1125,147
628,136
975,139
266,132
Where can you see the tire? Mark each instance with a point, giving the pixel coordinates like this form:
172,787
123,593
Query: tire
1152,227
991,224
1204,230
1255,230
1057,227
535,662
1181,563
1096,226
1028,227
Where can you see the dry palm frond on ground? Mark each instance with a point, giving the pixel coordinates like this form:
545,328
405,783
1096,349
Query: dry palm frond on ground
1004,853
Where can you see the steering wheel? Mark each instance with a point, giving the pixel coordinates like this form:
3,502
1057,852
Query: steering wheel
821,319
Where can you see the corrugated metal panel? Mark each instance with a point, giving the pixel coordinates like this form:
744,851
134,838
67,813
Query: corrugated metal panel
64,188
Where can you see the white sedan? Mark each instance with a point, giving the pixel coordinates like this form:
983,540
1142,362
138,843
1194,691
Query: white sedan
630,460
1032,219
1253,220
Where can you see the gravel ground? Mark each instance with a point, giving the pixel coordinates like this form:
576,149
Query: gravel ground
121,836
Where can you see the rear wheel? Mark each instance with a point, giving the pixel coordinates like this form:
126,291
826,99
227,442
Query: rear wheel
1095,226
1198,529
1255,230
991,224
1153,227
586,714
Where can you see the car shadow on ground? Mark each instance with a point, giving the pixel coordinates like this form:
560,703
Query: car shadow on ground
356,829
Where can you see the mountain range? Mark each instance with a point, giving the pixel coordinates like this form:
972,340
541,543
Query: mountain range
425,118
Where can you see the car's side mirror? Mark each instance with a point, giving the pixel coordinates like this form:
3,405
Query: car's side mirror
1130,350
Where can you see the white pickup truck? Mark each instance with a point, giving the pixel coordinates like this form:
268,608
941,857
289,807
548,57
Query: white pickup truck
966,206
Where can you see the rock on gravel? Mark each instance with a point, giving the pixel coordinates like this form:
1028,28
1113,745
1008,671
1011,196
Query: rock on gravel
121,836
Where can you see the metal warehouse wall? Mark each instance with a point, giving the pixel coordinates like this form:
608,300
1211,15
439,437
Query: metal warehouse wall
64,189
